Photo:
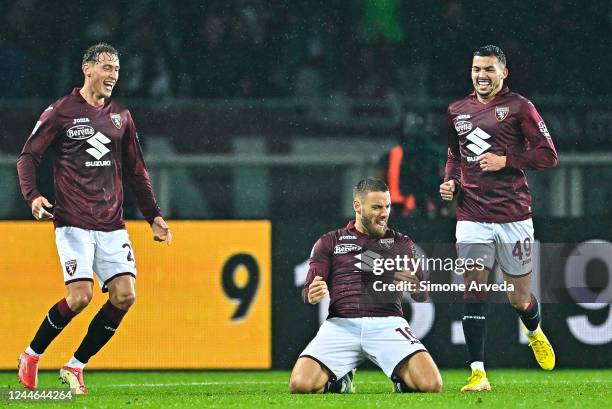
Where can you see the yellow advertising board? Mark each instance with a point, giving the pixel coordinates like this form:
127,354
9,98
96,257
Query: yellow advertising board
204,302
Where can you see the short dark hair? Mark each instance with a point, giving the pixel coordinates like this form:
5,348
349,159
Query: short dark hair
369,184
93,53
491,51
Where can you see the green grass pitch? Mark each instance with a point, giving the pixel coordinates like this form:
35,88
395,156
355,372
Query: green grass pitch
227,389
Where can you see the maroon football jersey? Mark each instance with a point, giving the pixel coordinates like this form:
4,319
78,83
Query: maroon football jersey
510,126
94,147
344,257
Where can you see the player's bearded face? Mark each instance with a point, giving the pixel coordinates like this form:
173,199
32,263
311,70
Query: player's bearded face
375,208
488,76
105,74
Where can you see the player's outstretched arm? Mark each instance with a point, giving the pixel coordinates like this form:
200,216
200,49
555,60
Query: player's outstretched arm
38,208
161,231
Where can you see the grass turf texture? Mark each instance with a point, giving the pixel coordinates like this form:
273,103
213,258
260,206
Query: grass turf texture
511,389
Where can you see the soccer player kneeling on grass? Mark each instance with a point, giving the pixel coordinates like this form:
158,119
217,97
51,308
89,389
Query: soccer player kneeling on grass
363,323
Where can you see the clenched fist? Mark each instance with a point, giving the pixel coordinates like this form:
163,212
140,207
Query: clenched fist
317,290
447,190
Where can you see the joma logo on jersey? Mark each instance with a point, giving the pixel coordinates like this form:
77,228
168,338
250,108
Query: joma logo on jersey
477,137
80,121
80,132
463,127
97,143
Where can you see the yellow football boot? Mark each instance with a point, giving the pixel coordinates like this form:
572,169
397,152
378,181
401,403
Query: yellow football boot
542,350
477,382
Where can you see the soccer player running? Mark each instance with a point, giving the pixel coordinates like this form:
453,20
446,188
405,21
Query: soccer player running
362,324
95,144
494,135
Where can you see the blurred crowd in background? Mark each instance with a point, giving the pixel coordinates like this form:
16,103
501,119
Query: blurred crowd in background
315,48
356,78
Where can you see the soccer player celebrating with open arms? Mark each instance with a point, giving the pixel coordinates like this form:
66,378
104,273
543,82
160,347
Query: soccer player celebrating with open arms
494,135
361,324
95,145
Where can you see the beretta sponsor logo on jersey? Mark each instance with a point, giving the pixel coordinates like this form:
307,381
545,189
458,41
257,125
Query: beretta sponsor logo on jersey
463,127
347,238
501,113
346,248
80,132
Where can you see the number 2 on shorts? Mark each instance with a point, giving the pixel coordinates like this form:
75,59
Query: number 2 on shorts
129,257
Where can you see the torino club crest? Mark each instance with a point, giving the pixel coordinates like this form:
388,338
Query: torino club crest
116,118
501,113
71,266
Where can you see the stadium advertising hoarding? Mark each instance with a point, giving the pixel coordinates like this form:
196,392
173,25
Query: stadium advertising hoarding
204,302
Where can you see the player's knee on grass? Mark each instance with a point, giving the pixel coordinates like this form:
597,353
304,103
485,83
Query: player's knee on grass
424,384
420,374
307,377
431,384
305,384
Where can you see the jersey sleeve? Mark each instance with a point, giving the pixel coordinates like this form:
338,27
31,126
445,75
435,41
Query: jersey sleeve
44,133
538,151
136,173
320,263
452,170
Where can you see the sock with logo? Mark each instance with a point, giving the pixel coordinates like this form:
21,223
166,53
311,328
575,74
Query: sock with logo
57,318
474,329
100,331
531,316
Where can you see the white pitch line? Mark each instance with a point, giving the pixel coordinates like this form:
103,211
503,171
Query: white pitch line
157,385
